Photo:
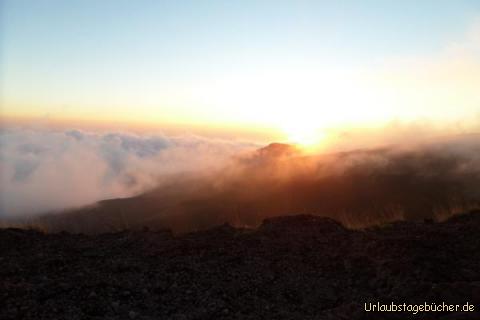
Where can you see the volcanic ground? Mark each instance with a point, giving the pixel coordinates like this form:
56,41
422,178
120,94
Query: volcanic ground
294,267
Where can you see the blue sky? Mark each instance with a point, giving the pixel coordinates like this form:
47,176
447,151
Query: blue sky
86,33
70,58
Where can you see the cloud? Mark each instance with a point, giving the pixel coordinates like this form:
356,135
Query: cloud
190,182
44,170
359,188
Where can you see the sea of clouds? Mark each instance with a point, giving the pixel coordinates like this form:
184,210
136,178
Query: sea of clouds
43,170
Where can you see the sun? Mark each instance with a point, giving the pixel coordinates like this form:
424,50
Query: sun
307,135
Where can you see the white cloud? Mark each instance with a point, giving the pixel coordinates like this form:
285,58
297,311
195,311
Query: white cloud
42,170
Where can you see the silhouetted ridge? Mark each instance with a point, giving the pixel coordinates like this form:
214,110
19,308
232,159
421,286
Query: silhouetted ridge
303,221
278,150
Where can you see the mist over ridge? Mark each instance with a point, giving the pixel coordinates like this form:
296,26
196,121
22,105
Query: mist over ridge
191,183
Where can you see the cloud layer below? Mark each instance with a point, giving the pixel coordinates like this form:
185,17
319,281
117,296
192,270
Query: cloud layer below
44,170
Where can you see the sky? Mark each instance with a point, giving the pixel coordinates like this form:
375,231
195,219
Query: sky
297,68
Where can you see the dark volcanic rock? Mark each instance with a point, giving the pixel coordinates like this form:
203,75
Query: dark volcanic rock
302,222
298,267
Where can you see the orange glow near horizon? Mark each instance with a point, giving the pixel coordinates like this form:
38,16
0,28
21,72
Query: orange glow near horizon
297,104
228,131
302,74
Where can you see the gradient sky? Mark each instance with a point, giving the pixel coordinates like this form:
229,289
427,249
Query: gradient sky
292,65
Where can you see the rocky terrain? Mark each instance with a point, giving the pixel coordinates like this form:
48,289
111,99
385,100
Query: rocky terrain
294,267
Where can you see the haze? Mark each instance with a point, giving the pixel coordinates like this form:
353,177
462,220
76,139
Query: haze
101,99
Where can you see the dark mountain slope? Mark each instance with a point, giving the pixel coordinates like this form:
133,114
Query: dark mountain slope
300,267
